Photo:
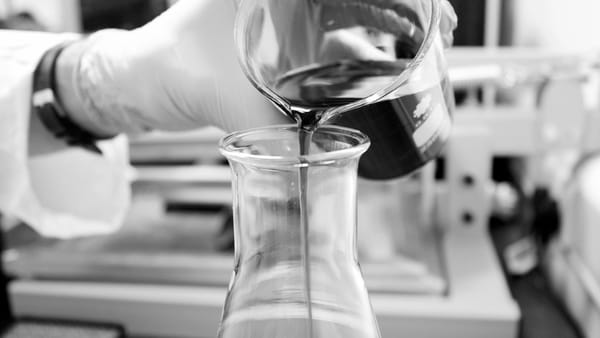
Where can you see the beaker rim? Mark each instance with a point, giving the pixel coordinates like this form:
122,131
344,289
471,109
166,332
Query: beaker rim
357,141
428,42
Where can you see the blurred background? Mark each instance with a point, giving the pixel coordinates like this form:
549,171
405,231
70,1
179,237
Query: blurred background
495,239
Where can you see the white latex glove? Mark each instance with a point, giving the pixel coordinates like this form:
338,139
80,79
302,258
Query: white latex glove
178,72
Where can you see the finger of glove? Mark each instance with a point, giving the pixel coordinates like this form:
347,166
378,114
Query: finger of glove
225,99
388,16
241,106
448,23
346,44
403,8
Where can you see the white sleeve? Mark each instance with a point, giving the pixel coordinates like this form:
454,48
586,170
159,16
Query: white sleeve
67,193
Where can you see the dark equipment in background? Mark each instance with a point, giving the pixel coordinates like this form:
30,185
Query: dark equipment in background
98,14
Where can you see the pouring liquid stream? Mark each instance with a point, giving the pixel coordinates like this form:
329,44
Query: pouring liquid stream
307,123
304,140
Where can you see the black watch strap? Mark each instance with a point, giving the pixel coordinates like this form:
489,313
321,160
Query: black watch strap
47,105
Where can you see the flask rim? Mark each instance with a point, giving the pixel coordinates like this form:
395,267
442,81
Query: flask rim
357,142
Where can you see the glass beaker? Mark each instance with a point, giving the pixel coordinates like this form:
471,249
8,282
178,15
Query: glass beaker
296,272
376,66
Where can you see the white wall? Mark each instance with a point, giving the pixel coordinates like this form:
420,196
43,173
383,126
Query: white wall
568,24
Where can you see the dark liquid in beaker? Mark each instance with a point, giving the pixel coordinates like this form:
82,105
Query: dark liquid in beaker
406,130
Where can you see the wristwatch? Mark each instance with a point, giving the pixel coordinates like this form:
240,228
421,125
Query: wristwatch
46,103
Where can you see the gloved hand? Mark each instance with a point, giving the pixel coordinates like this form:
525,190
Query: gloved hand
178,72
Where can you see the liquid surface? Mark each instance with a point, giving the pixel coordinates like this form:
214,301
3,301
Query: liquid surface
328,86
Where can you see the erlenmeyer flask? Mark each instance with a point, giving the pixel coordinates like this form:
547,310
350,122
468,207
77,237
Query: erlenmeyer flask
296,272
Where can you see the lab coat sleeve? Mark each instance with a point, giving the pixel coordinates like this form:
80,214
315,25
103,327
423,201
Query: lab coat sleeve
71,192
